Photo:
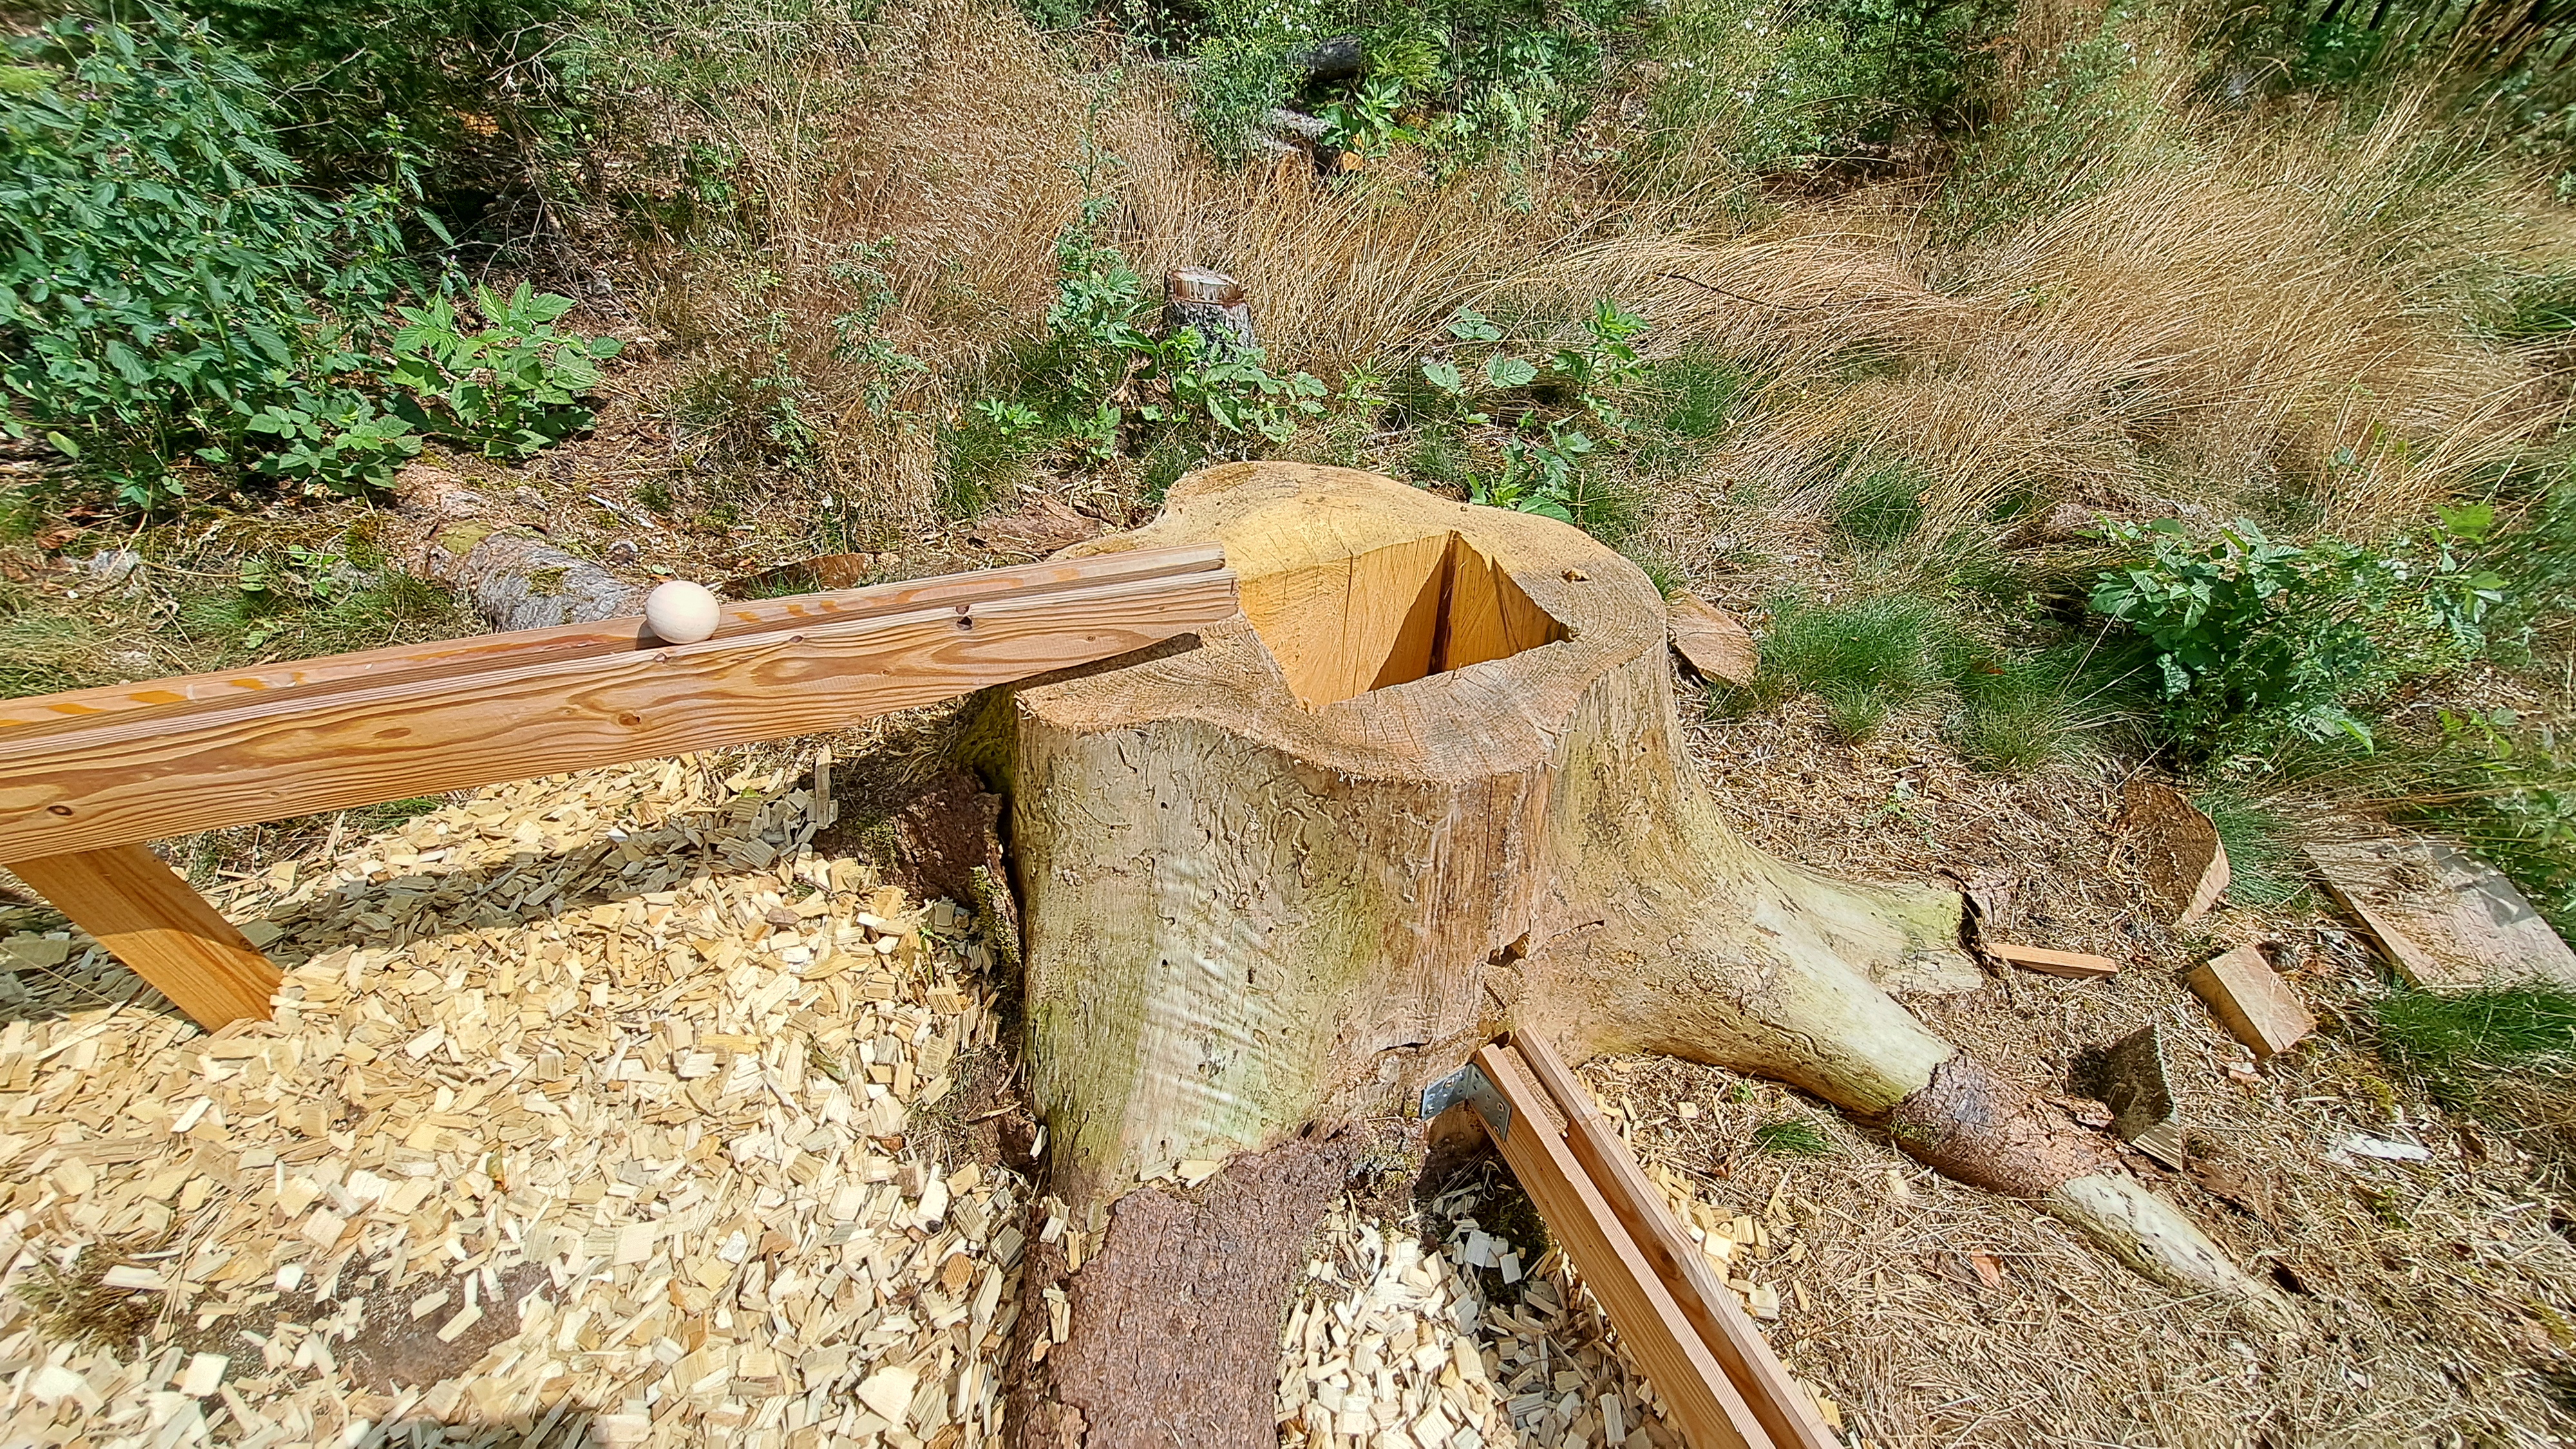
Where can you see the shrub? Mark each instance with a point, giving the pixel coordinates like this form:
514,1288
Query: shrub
167,290
1767,86
2249,640
510,389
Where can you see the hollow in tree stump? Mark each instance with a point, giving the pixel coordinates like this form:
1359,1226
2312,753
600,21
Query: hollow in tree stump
1431,785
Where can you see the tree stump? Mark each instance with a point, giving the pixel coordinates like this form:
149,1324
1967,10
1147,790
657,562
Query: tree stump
1432,784
1212,305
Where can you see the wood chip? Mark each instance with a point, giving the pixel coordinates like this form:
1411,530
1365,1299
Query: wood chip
1714,642
2251,1001
2074,964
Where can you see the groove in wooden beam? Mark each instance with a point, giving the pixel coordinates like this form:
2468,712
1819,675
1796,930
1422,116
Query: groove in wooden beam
259,755
453,657
150,919
1787,1412
1701,1400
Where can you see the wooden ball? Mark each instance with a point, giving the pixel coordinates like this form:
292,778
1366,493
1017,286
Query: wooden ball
680,612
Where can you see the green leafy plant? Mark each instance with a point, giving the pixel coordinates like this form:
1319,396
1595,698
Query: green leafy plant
2246,637
340,443
168,292
511,388
1545,461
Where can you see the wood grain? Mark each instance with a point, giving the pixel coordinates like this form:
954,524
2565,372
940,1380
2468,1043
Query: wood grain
2079,965
141,911
1788,1414
1701,1399
259,755
451,657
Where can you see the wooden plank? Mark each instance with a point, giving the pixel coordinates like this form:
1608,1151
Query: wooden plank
2075,964
610,636
2445,919
2252,1001
1786,1411
246,757
141,911
1701,1400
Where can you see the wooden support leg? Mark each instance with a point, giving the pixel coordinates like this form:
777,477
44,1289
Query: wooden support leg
142,911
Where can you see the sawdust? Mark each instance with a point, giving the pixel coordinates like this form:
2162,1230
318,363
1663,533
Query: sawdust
584,1117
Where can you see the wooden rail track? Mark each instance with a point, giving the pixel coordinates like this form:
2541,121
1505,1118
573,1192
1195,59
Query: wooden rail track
87,777
1721,1384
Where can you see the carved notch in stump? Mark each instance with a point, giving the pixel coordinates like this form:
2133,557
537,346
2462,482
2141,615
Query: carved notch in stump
1391,616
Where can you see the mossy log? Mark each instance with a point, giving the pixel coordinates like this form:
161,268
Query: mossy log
1432,785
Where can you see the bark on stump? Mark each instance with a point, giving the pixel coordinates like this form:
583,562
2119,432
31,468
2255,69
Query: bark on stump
1430,785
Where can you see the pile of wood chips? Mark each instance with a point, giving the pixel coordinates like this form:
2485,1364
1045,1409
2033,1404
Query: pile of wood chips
582,1117
1394,1345
1472,1342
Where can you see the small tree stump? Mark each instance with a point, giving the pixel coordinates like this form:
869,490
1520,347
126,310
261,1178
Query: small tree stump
1212,305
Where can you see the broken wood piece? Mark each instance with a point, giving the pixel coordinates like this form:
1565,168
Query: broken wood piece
2139,1090
1787,1413
1697,1392
2178,848
2075,964
148,918
2444,919
2251,1000
1712,641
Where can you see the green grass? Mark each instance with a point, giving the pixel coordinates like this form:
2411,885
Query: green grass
1691,398
1865,659
2262,848
2021,711
1792,1137
2456,1039
1879,505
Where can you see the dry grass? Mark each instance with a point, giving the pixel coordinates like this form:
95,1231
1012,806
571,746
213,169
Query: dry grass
2222,314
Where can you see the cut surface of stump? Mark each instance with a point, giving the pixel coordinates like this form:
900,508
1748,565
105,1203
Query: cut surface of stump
1429,786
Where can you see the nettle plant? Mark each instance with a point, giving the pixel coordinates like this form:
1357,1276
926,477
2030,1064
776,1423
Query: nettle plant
1102,378
2249,637
1544,457
169,292
511,388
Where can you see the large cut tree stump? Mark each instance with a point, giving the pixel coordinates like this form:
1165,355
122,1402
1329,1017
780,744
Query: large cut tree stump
1431,785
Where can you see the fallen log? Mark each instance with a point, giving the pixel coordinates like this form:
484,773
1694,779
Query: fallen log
1428,788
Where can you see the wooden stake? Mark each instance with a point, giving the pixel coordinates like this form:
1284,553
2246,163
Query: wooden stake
143,912
1787,1412
1703,1400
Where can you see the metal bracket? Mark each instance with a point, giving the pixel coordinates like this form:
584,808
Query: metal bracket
1469,1084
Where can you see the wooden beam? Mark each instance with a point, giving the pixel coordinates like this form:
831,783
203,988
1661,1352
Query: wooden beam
610,636
259,754
1788,1412
141,910
1702,1401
